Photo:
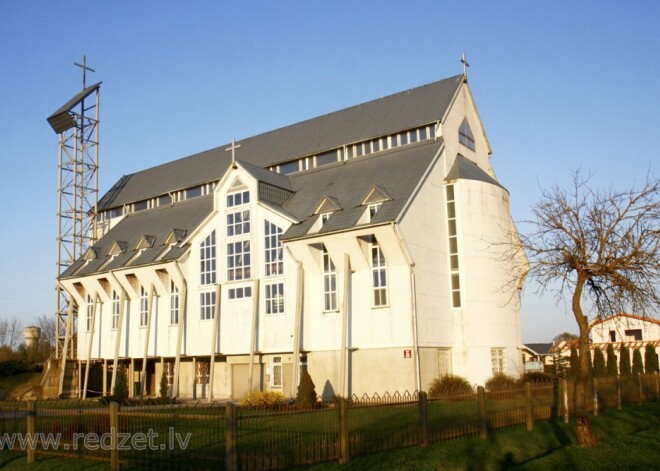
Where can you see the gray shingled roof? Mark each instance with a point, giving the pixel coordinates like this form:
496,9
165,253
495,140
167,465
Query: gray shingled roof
540,348
397,171
465,169
404,110
159,222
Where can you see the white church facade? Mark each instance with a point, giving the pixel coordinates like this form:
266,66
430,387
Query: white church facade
357,245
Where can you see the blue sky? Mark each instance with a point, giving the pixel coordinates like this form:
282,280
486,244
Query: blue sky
559,86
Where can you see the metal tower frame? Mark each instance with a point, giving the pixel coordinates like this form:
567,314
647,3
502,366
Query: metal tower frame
77,124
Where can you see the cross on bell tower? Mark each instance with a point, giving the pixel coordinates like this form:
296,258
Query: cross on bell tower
233,148
84,68
465,65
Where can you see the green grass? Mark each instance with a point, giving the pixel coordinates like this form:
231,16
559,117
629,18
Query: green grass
628,439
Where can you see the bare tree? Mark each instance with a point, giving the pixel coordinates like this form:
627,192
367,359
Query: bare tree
562,337
600,250
47,326
11,332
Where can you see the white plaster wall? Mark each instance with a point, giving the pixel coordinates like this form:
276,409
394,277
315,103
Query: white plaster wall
490,301
600,333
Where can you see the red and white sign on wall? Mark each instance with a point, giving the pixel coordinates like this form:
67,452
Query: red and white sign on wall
407,354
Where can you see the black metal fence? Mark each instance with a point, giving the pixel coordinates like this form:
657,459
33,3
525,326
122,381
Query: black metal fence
228,436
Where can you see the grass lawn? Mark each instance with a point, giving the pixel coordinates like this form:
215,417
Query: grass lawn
629,439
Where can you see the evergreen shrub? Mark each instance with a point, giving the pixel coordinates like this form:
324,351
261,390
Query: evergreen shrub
446,385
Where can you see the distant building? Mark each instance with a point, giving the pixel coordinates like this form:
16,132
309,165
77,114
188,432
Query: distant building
357,245
621,331
537,357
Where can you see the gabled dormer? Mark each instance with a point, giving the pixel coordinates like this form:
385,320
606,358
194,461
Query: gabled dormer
92,253
324,210
175,236
118,247
145,242
372,203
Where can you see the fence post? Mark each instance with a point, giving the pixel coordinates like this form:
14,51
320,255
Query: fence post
483,421
31,430
640,390
564,392
595,396
528,406
423,418
619,402
231,437
344,452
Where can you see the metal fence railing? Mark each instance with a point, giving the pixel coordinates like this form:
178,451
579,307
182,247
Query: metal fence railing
228,436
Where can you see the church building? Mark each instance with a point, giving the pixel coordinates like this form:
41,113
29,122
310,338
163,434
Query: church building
358,245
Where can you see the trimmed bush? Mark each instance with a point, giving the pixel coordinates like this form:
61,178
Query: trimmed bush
612,368
263,399
447,385
120,393
306,396
501,382
624,362
600,368
637,365
163,390
650,359
536,377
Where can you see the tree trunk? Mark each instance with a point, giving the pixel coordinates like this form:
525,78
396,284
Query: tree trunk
583,432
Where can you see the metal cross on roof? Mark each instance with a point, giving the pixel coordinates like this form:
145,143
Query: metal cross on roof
232,148
465,64
84,67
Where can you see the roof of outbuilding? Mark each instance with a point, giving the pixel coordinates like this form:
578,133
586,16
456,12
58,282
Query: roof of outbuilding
390,114
540,348
158,223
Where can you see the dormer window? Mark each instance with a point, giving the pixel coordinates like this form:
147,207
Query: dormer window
145,242
92,253
118,247
374,200
175,236
324,218
373,209
465,135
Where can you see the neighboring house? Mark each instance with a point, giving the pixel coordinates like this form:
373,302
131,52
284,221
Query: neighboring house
537,356
357,245
622,331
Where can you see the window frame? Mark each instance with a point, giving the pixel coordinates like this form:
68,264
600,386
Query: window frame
330,303
175,301
273,251
90,313
116,308
208,260
274,298
378,275
207,305
144,306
